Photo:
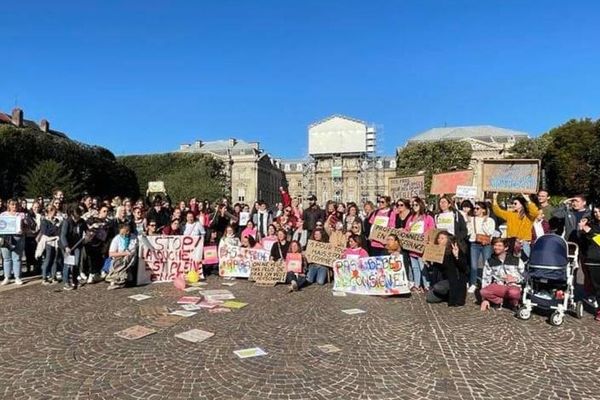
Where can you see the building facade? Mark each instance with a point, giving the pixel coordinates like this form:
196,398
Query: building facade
252,174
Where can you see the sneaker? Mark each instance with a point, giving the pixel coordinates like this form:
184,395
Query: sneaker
294,286
112,286
82,277
4,282
103,275
472,289
46,282
90,279
18,281
67,287
53,281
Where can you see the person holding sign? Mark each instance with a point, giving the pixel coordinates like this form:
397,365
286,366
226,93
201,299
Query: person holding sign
421,223
384,216
519,222
296,266
12,245
355,249
452,221
317,272
451,275
72,233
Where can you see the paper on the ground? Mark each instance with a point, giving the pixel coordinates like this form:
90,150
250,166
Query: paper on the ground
218,310
183,313
339,294
234,304
135,332
140,297
191,307
228,283
199,284
189,300
352,311
218,294
195,335
209,304
253,352
328,348
192,289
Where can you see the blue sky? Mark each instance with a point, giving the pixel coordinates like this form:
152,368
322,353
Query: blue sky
145,76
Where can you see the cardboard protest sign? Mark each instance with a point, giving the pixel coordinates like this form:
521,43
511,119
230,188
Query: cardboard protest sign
211,255
409,241
135,332
407,187
236,261
434,253
293,263
447,182
268,272
466,192
384,275
156,187
511,176
10,225
244,218
322,253
267,244
162,258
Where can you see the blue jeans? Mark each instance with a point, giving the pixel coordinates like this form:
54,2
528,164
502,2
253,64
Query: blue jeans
477,251
49,263
12,259
316,273
74,269
418,273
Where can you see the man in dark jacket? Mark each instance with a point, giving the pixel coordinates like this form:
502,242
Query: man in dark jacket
160,214
572,211
72,234
312,214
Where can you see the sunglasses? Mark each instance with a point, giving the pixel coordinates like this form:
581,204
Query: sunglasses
415,205
152,225
477,208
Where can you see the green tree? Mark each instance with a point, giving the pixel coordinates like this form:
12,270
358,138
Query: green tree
49,175
531,148
185,175
433,158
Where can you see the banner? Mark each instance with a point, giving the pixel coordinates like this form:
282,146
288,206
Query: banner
162,258
236,261
466,192
409,241
447,182
268,273
322,253
293,263
10,225
406,187
511,176
156,187
384,275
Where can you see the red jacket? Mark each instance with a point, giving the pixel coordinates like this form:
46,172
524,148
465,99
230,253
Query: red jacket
286,199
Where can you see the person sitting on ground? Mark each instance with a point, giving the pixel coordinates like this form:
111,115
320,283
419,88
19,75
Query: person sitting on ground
502,276
249,230
229,238
452,274
336,234
249,242
355,248
295,279
280,248
123,250
317,272
173,228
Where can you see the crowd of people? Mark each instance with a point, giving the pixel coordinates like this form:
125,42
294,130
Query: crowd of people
96,239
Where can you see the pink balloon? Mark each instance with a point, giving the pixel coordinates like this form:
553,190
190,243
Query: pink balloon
179,282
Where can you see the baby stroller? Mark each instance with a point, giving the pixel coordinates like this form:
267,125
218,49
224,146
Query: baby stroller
550,279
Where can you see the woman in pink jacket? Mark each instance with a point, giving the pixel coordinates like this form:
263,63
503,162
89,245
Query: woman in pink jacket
421,223
383,216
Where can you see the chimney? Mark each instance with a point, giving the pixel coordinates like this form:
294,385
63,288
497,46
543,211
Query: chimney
198,143
232,142
17,117
45,126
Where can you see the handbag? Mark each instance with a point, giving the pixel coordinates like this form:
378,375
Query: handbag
480,238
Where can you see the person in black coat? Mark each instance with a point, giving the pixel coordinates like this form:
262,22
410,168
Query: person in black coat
71,240
451,276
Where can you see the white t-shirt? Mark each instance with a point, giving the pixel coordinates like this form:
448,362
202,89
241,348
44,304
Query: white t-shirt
117,245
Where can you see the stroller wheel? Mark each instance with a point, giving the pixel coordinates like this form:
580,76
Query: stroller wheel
579,309
556,318
524,313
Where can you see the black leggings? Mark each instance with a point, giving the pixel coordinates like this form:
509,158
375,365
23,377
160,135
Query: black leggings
594,275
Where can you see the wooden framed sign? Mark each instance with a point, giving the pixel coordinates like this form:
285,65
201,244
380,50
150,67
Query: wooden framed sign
511,176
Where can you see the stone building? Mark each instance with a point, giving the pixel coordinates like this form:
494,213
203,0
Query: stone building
252,173
17,120
342,164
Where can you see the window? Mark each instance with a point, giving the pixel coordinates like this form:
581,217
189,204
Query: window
241,194
299,167
286,167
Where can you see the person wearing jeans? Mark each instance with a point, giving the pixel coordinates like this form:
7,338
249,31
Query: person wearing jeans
12,247
316,273
481,228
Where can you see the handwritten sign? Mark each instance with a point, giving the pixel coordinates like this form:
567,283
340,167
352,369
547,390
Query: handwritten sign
407,187
511,176
409,241
322,253
447,182
163,258
293,263
211,255
384,275
268,272
244,218
156,187
10,225
466,192
434,253
236,261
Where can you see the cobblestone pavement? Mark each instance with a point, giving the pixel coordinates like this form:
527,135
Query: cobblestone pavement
61,345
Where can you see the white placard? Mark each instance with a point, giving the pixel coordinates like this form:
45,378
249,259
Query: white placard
10,225
466,192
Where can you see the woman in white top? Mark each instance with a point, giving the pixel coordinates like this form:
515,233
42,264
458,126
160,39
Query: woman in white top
122,251
481,228
12,246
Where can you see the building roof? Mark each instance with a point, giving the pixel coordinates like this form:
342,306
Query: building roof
222,147
7,119
336,116
485,133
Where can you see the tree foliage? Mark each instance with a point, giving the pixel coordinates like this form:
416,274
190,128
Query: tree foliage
49,175
94,168
433,158
185,174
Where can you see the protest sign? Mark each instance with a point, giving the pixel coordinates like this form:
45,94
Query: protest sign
10,225
407,187
236,261
244,218
293,263
268,272
447,182
156,187
466,192
384,275
267,244
211,255
511,176
322,253
409,241
162,258
434,253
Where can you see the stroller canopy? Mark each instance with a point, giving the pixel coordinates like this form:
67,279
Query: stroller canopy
549,251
